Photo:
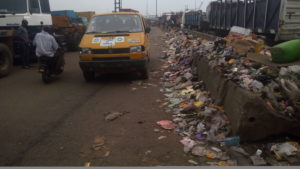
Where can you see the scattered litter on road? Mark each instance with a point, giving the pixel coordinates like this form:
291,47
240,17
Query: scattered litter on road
188,144
114,115
140,84
141,122
162,137
148,152
158,101
211,155
216,149
239,150
223,164
98,143
156,130
166,124
87,164
193,162
230,141
285,149
107,154
199,151
258,152
258,161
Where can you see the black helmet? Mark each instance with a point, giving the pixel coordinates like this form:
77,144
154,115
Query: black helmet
24,22
47,29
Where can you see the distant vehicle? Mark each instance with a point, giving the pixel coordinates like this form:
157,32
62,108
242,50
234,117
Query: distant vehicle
279,20
87,14
12,12
115,42
171,19
85,20
67,23
195,20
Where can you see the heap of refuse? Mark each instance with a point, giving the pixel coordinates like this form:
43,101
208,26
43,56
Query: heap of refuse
278,86
196,116
194,110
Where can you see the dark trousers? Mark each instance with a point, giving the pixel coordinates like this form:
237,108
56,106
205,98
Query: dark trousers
25,54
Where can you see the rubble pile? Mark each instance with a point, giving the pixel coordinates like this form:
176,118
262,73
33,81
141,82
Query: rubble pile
204,126
278,86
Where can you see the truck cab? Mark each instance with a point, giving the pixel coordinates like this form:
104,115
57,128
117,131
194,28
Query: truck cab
12,12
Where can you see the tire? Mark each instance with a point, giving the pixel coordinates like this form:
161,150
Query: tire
144,72
46,77
6,60
89,76
76,38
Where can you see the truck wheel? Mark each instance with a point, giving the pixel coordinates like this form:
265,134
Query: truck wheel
6,60
89,76
76,38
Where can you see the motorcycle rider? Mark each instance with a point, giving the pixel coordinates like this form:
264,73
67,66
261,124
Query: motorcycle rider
46,46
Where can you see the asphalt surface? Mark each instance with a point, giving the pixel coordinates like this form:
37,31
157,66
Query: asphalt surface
57,124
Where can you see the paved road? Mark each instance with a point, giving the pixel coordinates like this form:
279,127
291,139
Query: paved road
56,124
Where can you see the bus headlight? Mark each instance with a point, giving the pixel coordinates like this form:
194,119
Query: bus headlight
135,49
85,51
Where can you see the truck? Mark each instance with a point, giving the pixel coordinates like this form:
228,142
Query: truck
71,26
173,19
195,20
12,12
87,14
278,20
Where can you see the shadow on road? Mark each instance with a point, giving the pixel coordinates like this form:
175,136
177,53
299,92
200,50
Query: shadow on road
117,77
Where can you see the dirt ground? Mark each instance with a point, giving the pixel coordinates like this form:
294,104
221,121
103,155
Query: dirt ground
57,124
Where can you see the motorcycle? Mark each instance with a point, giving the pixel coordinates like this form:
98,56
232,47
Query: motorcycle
51,66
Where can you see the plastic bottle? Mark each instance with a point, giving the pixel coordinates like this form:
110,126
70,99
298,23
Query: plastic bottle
231,141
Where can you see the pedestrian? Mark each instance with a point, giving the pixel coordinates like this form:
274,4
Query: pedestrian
22,34
46,46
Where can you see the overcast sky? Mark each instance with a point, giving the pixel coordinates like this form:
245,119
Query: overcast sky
101,6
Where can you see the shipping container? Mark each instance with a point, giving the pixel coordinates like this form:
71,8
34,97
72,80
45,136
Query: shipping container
278,19
72,16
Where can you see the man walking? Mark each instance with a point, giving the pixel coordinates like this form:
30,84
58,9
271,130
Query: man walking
22,34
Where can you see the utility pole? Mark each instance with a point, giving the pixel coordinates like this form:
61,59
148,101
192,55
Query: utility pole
201,4
156,9
118,5
147,7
